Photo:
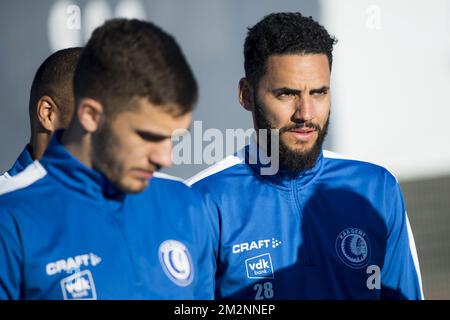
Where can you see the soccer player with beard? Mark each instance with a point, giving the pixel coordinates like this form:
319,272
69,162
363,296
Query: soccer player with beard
93,219
322,226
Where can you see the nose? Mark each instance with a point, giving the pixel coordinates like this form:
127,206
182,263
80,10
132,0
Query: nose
303,109
161,155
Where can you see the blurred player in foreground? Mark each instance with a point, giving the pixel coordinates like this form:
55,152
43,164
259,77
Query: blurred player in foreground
93,219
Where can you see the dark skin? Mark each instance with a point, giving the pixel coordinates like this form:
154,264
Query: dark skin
48,119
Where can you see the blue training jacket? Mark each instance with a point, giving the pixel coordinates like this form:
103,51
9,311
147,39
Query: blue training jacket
67,233
336,231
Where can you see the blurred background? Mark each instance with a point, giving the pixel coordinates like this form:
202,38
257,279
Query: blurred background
390,85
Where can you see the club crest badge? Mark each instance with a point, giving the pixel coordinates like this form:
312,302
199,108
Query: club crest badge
176,262
353,248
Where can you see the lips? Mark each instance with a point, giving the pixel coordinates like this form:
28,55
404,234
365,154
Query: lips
303,134
145,174
303,130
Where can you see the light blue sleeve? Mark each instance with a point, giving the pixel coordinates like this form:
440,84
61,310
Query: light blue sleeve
400,275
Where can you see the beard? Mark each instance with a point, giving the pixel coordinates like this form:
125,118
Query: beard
105,158
294,161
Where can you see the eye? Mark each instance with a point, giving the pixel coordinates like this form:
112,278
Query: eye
285,95
151,137
320,93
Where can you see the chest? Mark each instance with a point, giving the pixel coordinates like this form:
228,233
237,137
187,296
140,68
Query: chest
100,252
302,241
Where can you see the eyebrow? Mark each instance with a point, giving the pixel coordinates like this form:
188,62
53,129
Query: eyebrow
286,90
319,90
152,136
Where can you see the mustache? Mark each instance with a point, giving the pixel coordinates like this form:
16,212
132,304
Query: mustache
309,125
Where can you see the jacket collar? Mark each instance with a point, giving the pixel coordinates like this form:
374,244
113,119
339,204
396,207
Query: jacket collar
23,161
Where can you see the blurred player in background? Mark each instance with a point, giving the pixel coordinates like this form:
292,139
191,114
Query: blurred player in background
93,219
51,104
323,226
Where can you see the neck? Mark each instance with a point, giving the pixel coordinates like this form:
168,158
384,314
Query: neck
78,143
38,144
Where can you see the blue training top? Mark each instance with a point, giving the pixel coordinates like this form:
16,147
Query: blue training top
336,231
67,233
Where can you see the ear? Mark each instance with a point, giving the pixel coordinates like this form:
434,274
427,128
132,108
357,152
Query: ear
246,95
48,113
90,114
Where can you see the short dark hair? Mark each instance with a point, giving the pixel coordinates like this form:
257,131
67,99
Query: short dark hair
128,59
283,33
54,78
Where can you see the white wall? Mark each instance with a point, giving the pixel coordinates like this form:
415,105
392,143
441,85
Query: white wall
391,83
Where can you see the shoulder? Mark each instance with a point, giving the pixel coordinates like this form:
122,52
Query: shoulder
231,166
28,177
179,202
15,197
357,166
171,190
168,184
167,179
